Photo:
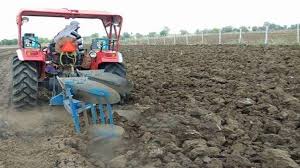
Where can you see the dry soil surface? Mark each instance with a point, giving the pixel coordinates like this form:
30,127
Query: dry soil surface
192,106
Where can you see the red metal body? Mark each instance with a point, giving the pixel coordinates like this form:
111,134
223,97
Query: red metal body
111,22
108,56
30,54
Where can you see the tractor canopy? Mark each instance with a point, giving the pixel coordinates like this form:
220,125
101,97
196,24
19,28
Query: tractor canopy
111,22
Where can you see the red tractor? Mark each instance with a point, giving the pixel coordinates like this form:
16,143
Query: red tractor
67,59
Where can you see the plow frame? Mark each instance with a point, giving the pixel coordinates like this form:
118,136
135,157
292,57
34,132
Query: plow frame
75,107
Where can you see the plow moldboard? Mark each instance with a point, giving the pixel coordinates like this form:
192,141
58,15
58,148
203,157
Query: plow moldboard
121,85
83,90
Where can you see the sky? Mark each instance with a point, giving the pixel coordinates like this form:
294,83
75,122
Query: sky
151,16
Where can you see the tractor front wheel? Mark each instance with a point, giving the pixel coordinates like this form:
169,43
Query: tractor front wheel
25,83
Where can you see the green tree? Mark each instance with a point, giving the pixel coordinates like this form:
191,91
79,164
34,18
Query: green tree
294,26
9,42
235,29
95,35
227,29
261,28
244,29
197,31
214,30
152,34
138,35
254,28
126,35
44,40
184,32
206,31
266,24
273,26
165,31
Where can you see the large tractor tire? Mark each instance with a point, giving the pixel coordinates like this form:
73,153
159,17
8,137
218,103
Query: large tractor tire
120,70
25,83
115,68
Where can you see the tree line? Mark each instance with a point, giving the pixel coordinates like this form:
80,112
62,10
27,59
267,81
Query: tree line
166,31
227,29
42,40
15,41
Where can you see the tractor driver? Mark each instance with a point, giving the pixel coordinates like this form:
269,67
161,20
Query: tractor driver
71,30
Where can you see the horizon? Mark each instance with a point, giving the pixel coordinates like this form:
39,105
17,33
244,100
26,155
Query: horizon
132,34
140,18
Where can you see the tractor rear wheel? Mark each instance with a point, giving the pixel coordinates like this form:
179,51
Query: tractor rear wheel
118,69
25,83
115,68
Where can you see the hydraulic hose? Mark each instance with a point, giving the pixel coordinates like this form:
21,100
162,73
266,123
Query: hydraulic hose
71,56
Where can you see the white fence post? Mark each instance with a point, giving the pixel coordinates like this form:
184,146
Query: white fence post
187,39
202,37
135,41
174,42
298,34
266,34
240,37
163,39
220,36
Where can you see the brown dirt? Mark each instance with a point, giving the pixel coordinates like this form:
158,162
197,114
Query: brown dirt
238,101
35,137
198,106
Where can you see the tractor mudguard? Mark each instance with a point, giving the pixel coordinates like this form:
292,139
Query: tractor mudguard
108,56
30,54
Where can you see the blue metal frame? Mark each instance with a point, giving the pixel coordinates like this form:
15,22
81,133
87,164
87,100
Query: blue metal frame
75,107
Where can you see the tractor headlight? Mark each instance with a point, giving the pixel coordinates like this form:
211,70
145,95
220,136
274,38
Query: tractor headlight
93,54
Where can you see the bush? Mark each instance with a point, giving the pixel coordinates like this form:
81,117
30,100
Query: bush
165,31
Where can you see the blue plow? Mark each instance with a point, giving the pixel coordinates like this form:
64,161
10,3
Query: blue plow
79,94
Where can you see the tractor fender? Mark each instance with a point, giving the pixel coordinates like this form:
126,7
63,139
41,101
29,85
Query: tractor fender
28,54
120,57
20,55
106,57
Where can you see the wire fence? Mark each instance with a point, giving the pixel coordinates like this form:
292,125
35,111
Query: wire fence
283,37
267,37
